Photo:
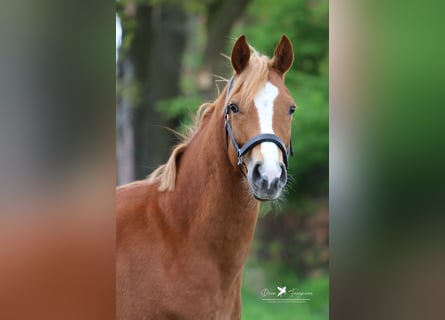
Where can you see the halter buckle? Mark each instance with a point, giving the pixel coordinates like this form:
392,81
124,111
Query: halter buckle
240,161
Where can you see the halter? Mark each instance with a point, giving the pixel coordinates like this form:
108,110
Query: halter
252,142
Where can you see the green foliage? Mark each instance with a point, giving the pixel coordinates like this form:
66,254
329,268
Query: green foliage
310,135
189,5
179,107
305,22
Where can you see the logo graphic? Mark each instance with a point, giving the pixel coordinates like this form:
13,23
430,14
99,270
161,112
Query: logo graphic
283,295
282,291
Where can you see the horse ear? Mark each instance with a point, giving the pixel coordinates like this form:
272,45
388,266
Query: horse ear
283,55
240,54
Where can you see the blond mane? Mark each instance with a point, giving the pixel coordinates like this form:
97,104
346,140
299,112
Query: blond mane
248,82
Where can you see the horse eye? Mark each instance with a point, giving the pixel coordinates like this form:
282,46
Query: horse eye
234,107
292,109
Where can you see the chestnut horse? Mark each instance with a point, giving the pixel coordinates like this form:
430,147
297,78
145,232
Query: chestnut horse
184,233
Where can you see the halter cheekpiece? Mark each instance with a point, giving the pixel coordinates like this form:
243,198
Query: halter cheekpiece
252,142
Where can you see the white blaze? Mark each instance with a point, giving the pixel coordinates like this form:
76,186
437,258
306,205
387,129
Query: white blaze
264,102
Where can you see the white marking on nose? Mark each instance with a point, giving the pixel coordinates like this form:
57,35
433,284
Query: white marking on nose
264,102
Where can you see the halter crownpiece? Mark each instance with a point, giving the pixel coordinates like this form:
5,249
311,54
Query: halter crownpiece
252,142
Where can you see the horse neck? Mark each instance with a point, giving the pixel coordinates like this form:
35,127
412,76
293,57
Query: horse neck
212,196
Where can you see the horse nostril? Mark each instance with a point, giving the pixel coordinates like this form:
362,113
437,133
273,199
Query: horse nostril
275,184
259,180
283,176
256,174
280,182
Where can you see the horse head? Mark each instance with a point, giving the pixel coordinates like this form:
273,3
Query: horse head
258,115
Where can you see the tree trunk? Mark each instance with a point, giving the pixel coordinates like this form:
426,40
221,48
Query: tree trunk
154,61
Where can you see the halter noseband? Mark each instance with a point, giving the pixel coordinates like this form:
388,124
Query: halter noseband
252,142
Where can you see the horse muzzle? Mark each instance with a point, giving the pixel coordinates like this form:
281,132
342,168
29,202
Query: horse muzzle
266,182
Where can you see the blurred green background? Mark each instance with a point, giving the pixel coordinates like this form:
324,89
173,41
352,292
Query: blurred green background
169,60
